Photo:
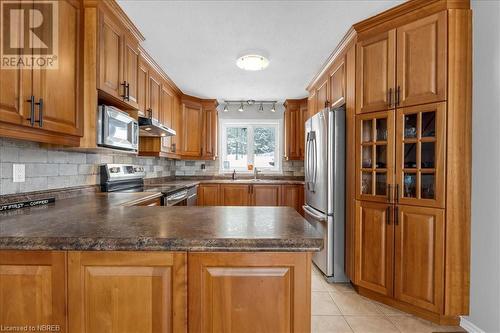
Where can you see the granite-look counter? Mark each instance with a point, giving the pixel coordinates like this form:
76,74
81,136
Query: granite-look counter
107,222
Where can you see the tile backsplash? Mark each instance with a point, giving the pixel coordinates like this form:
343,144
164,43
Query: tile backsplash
48,169
194,168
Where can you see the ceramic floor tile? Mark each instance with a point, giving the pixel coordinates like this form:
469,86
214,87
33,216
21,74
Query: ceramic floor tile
317,283
411,324
322,304
371,324
353,304
339,287
389,310
329,324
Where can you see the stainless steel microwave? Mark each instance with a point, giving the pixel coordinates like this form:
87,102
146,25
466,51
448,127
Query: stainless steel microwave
116,129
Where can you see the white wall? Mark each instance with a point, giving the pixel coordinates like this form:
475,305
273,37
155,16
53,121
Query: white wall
485,238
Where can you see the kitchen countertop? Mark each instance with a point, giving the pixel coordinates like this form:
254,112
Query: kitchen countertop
107,222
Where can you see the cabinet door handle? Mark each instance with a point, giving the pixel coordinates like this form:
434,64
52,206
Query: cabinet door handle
396,215
389,98
40,112
387,217
397,96
124,84
31,100
397,192
127,86
150,113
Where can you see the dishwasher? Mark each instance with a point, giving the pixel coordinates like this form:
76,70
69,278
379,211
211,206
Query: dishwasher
184,197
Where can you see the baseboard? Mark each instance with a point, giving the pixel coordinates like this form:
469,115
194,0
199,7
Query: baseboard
469,327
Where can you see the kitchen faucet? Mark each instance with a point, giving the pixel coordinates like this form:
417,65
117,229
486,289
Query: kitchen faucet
255,173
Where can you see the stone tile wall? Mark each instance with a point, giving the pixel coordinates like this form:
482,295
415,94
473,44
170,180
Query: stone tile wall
193,168
48,169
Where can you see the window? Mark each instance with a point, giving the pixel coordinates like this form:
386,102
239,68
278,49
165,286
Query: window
250,142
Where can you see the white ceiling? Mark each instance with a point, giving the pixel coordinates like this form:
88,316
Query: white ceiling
197,42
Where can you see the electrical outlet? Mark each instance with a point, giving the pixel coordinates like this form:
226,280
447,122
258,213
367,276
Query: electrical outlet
18,173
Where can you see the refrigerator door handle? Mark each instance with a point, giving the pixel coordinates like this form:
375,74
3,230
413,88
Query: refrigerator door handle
308,161
314,215
315,161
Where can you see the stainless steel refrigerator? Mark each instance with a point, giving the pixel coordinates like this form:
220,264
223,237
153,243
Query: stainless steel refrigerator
325,187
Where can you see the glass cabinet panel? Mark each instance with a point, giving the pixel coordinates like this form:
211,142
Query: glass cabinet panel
419,154
375,155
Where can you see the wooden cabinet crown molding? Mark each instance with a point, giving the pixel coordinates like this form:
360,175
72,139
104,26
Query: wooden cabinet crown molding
408,8
348,40
113,7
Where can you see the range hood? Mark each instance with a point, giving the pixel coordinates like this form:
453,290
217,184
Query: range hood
151,127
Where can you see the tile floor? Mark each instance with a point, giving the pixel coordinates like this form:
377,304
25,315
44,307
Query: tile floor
337,308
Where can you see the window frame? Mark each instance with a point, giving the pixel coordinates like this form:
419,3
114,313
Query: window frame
251,124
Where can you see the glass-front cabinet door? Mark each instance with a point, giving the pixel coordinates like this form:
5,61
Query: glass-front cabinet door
420,155
374,156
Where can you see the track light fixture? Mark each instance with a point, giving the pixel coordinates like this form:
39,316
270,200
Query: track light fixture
241,105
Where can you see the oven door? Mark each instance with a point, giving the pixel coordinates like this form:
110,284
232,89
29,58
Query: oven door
118,129
176,199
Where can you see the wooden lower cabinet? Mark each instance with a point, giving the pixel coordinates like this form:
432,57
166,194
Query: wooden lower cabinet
374,249
249,292
266,195
419,257
235,195
33,288
208,195
127,292
293,196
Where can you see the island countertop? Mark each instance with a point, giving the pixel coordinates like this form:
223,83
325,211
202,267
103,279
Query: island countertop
106,222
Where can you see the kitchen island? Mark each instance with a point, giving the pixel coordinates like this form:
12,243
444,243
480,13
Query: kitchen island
97,264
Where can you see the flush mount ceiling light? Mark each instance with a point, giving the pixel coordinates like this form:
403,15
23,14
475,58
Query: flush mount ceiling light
252,62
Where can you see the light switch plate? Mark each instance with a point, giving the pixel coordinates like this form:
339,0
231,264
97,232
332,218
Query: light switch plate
18,173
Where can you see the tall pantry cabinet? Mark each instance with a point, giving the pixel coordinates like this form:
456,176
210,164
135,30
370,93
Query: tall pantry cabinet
412,151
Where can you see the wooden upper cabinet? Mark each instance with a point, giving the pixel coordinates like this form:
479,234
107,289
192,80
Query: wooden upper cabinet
266,195
33,288
142,87
375,156
177,125
119,59
143,292
56,91
322,95
419,257
154,94
131,58
210,124
293,120
421,60
375,73
208,195
192,125
337,83
235,195
374,249
110,57
249,292
420,155
13,108
311,104
166,106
